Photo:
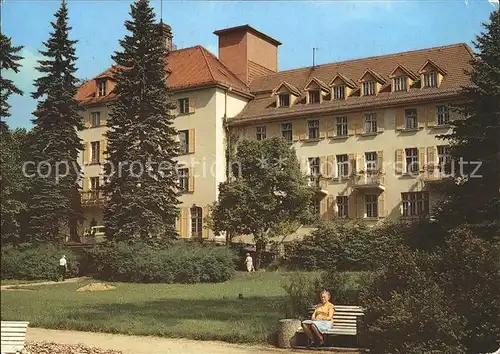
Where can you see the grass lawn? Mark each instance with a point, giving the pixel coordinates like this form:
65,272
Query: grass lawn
198,311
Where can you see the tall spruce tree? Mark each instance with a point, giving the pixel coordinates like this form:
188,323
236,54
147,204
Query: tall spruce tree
141,179
54,144
474,194
11,187
9,60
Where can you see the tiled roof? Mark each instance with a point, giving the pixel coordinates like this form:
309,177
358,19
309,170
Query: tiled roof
186,68
452,59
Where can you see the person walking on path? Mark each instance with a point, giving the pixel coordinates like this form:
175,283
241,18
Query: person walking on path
249,263
63,267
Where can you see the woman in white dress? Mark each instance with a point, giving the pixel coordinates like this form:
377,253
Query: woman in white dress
249,263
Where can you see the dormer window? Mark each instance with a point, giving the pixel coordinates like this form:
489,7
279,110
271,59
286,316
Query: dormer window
400,83
431,74
369,88
284,100
431,79
286,94
339,92
314,96
101,88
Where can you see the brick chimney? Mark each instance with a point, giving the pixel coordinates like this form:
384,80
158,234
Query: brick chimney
248,53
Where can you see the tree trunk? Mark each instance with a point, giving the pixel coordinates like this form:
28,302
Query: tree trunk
260,246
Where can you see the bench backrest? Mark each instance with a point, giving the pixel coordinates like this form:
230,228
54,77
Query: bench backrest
13,336
345,316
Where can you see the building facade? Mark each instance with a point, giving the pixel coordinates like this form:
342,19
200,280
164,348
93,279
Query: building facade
365,130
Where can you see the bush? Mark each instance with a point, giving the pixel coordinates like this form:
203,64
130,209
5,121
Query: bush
28,262
446,300
143,263
345,245
407,311
301,290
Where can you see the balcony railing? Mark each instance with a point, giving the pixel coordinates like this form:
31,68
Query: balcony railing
317,181
93,197
433,174
370,180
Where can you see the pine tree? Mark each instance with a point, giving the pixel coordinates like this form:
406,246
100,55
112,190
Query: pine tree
141,206
11,187
474,195
55,144
9,60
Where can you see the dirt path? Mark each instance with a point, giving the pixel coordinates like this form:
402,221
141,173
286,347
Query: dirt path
146,345
70,280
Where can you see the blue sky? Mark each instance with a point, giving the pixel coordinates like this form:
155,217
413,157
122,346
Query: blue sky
340,29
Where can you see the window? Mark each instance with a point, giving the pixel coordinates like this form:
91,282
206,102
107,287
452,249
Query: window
102,88
415,203
183,105
284,99
371,205
371,161
443,114
261,133
339,92
411,119
444,157
316,207
369,88
96,119
314,96
196,221
183,179
370,123
343,206
342,165
286,131
341,123
400,83
430,79
95,149
184,141
313,129
411,160
314,168
94,186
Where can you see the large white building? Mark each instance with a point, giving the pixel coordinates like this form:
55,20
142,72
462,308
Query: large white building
366,129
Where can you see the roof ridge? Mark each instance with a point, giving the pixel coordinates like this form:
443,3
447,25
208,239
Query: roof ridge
374,57
206,61
207,52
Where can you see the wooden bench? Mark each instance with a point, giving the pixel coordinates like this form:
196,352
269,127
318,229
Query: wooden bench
13,336
345,320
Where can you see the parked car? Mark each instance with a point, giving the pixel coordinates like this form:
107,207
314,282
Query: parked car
97,234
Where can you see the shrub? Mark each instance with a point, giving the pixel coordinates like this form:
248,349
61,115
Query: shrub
29,262
301,290
344,287
147,264
408,312
345,245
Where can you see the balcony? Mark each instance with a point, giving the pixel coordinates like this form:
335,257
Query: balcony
93,198
319,183
432,175
369,181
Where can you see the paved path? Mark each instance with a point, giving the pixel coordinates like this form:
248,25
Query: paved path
146,344
70,280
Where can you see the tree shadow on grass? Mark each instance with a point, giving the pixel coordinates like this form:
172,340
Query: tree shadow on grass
256,316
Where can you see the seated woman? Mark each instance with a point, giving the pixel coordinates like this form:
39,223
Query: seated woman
321,320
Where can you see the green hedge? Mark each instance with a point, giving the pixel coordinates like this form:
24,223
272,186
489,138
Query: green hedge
142,263
345,245
28,262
